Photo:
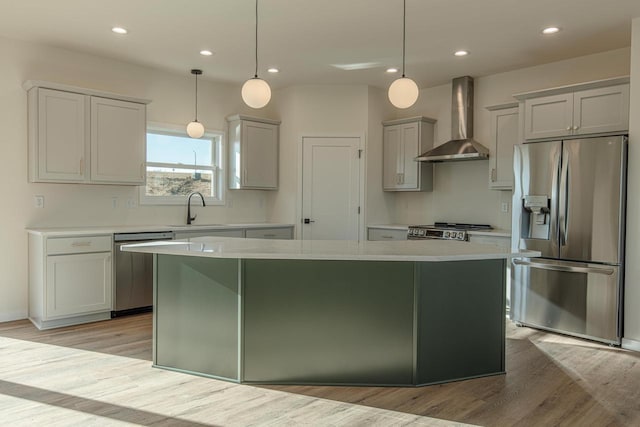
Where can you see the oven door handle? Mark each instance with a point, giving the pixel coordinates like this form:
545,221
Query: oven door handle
566,268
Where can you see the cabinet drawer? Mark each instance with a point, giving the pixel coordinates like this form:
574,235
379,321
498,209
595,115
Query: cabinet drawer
270,233
502,242
387,234
236,232
78,244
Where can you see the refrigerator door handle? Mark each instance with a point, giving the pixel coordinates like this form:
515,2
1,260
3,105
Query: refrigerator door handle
563,217
567,268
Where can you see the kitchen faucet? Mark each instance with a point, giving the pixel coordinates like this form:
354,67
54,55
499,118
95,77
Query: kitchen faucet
189,217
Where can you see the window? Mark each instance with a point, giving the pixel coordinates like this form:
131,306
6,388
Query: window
178,165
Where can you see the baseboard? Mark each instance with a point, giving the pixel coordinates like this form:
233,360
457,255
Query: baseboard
11,316
628,344
70,321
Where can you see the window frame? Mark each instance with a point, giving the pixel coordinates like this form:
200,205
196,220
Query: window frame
218,167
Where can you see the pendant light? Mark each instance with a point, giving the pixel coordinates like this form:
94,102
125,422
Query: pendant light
195,128
256,93
403,92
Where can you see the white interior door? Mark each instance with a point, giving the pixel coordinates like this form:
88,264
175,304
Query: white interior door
330,188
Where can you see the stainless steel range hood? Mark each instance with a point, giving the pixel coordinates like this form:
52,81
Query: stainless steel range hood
462,146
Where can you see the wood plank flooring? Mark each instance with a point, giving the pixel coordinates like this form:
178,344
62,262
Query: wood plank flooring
551,380
100,374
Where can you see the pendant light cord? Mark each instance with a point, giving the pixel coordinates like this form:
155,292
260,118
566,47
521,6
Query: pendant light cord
196,97
256,74
404,31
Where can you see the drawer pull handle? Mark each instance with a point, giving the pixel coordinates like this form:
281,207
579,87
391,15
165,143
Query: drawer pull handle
387,237
269,235
79,244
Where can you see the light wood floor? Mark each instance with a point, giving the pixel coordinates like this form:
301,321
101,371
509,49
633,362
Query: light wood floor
100,374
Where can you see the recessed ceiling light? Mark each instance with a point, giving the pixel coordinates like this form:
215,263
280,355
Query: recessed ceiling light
119,30
461,53
392,70
550,30
206,52
273,70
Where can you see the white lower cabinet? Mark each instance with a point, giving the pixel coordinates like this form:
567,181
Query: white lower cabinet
70,279
78,284
382,234
189,234
270,233
503,242
249,232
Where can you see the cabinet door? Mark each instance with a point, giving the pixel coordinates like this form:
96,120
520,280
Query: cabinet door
601,110
504,135
118,141
400,146
409,168
259,152
61,135
548,116
392,149
78,284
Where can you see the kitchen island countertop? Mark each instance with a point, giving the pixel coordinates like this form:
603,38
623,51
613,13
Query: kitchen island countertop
421,251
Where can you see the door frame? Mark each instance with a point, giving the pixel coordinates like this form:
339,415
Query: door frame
362,177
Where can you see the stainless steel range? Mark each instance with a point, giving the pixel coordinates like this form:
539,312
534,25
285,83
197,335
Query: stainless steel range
444,231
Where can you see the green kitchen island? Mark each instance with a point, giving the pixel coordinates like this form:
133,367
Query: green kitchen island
402,313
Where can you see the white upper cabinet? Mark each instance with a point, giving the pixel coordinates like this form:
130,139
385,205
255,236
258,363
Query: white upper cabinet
549,116
253,153
57,133
601,110
78,136
504,135
118,127
403,141
599,107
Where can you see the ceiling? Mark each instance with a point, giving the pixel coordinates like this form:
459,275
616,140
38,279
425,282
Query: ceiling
305,39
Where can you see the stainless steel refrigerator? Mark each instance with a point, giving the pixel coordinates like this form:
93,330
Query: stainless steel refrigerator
569,204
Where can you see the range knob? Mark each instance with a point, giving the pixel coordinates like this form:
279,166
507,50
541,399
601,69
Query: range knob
447,235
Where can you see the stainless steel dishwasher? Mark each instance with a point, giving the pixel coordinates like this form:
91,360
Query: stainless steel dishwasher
133,273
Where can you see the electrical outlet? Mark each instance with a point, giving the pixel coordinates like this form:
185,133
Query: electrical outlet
114,202
131,203
38,201
504,207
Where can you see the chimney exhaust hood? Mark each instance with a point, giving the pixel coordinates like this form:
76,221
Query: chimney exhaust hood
462,146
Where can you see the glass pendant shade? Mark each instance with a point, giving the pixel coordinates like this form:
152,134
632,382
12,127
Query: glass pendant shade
403,92
256,93
195,129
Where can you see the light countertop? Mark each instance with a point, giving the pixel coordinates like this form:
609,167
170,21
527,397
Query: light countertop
111,229
496,232
410,250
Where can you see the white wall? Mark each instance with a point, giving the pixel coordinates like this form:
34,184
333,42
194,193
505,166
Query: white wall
72,204
380,205
632,269
315,110
461,191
